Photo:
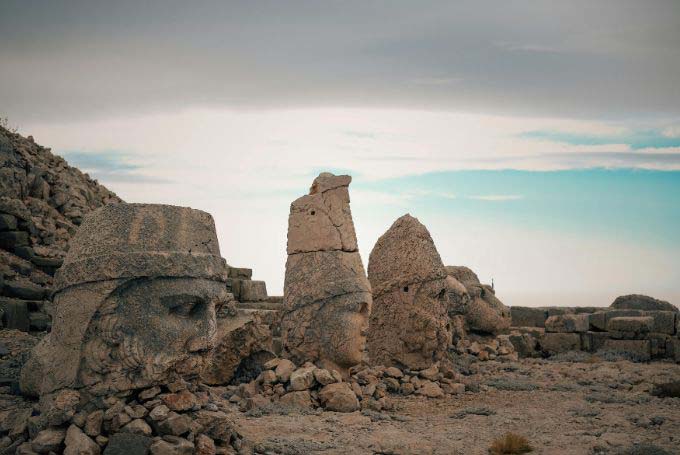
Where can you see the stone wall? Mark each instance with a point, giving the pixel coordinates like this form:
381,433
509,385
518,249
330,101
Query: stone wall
637,327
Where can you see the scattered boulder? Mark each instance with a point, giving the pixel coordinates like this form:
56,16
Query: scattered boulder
338,397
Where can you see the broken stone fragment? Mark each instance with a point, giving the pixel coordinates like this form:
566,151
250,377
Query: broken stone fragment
633,325
430,389
554,343
172,446
299,399
338,397
302,378
78,443
49,440
284,369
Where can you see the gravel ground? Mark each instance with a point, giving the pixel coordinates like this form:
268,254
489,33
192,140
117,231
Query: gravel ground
561,407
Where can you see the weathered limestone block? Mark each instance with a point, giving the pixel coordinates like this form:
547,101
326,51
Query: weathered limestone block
554,343
409,325
567,323
630,326
598,321
240,273
658,342
664,321
528,317
593,341
322,220
134,301
327,296
673,349
638,349
253,291
642,302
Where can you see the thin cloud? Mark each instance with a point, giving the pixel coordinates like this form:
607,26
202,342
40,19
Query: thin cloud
496,197
110,167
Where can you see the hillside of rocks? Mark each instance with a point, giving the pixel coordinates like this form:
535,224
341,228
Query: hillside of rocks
42,203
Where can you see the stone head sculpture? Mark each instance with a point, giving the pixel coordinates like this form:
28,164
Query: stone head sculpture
135,301
409,325
326,293
483,311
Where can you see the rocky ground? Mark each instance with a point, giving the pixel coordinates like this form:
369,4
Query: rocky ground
580,405
561,407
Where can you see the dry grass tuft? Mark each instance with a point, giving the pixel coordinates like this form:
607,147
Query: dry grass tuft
510,443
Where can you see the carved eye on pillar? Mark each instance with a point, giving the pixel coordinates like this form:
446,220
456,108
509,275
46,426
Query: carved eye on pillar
313,212
405,288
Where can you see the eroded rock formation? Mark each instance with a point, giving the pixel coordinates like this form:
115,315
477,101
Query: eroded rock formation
326,294
483,311
135,301
42,202
409,325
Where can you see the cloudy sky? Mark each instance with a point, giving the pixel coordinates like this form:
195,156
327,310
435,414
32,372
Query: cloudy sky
538,141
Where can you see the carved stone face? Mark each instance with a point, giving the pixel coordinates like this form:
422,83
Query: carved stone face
411,327
344,323
150,326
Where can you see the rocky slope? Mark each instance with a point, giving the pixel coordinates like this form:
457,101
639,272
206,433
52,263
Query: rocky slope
42,202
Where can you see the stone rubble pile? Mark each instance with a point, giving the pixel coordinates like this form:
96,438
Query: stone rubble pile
309,387
42,202
173,419
498,348
636,326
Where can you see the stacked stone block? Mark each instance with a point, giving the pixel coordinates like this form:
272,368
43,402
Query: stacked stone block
252,299
639,327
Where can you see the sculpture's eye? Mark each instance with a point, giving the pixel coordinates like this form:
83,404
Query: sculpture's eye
313,212
184,306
